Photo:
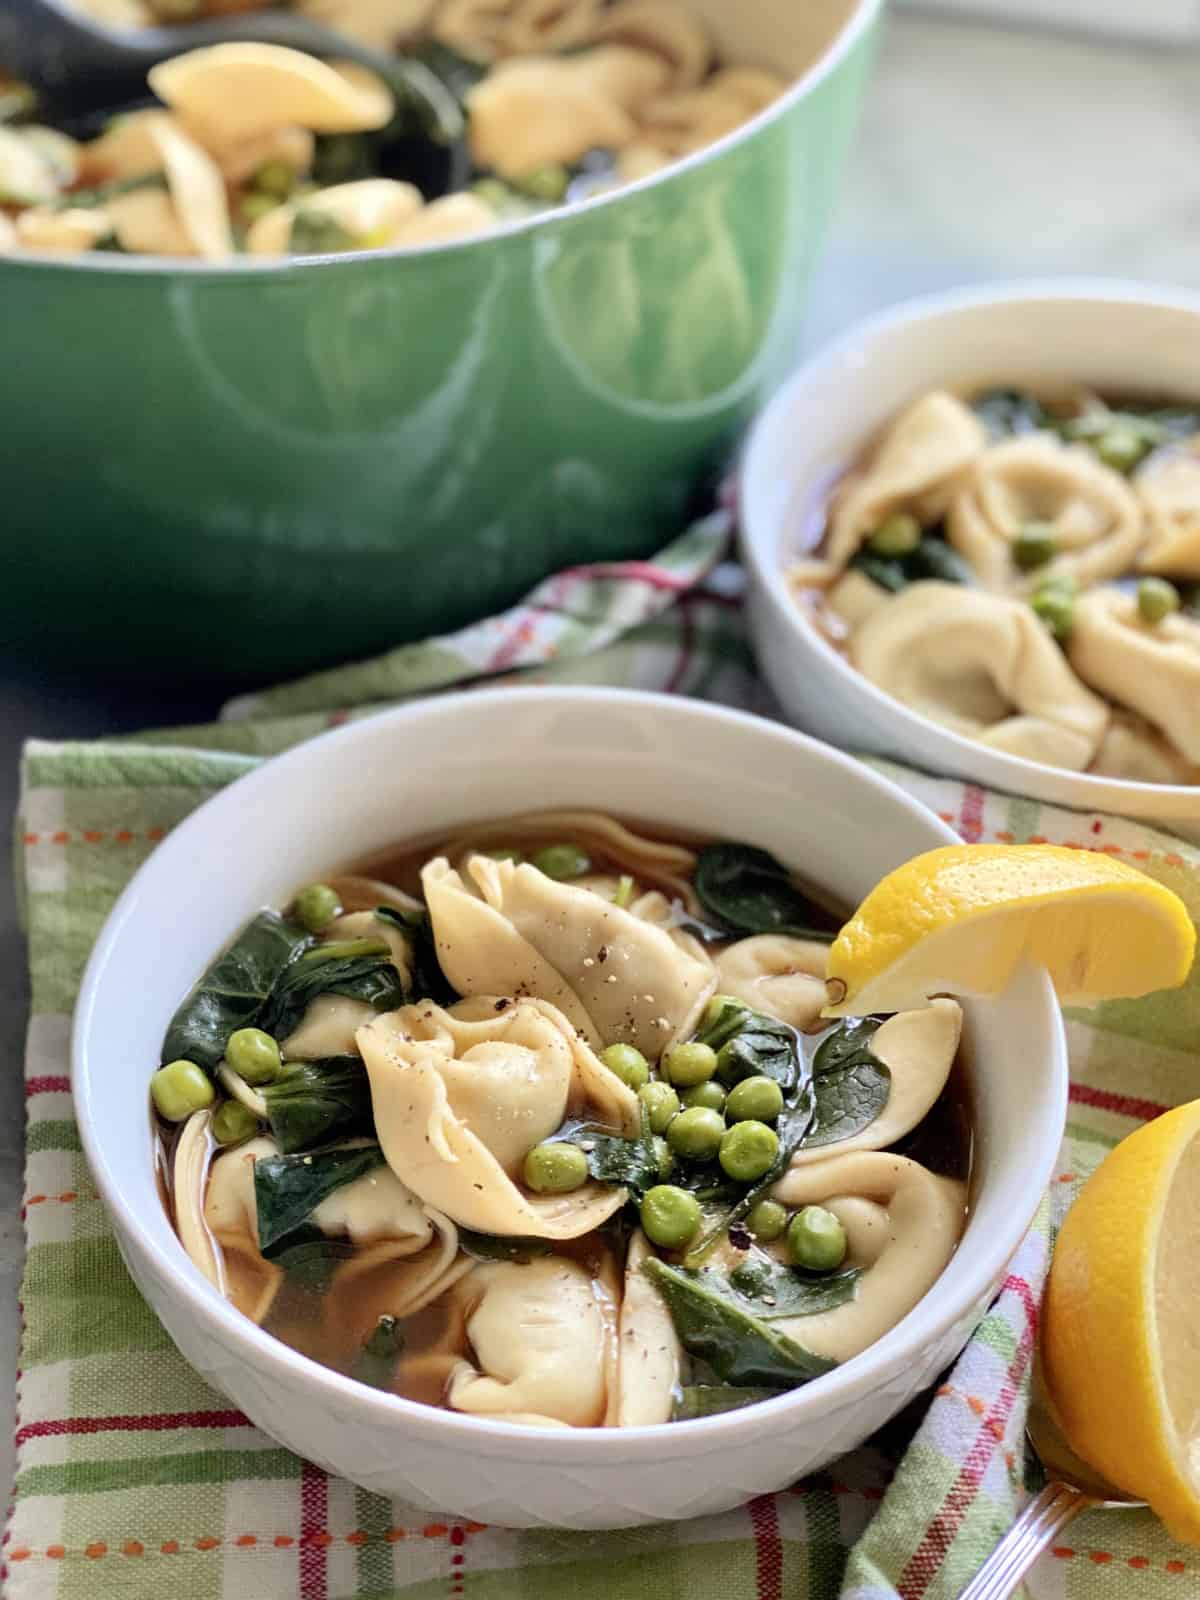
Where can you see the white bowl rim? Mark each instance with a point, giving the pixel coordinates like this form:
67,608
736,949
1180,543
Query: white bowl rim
855,27
236,1333
760,543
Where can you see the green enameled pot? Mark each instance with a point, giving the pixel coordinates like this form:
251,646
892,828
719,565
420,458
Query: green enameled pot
248,471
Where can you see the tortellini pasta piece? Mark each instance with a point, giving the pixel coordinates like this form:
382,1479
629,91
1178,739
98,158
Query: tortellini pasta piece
1133,750
189,216
229,1213
382,24
688,119
918,1048
8,233
454,216
854,598
920,463
541,1332
902,1225
1090,510
243,89
1168,487
26,176
475,28
1154,668
506,929
650,1356
461,1096
671,866
331,1021
69,231
982,665
665,28
537,26
366,925
776,974
540,111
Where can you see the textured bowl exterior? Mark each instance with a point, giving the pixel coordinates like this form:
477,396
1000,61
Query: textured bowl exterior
1116,337
267,469
441,764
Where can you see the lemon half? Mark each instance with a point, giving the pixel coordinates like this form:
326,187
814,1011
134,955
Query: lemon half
1121,1333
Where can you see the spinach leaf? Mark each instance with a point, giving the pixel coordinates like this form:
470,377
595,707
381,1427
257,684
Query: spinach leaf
710,1399
747,890
360,969
741,1348
428,980
376,1361
498,1247
848,1100
313,233
312,1102
932,558
846,1042
288,1189
762,1047
1006,413
231,992
625,1163
851,1085
765,1289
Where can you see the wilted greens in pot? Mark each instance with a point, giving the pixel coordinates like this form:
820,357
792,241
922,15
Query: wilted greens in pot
1025,571
490,112
542,1121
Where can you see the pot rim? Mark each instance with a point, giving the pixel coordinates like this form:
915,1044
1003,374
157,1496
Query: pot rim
854,29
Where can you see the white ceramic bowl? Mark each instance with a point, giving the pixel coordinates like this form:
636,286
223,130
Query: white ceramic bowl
1111,335
440,764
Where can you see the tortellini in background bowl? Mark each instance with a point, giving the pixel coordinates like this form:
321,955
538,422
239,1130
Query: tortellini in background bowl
1048,338
433,769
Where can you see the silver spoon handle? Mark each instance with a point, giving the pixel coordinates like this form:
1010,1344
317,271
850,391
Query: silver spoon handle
1045,1515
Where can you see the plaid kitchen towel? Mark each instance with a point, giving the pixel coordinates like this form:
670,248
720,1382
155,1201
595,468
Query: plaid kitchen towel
135,1478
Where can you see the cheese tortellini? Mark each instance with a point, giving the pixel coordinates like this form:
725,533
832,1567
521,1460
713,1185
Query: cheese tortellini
1025,572
517,1123
508,108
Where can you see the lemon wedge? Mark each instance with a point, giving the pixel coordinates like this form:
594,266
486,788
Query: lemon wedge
960,920
1120,1348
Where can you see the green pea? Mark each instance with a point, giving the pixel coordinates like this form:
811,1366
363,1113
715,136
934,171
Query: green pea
629,1064
722,1008
896,535
767,1221
562,861
233,1123
1121,448
317,906
665,1156
696,1134
670,1216
748,1151
754,1100
1156,599
555,1168
254,205
661,1103
253,1055
816,1239
751,1277
275,178
708,1094
1056,608
686,1065
1035,545
547,183
180,1088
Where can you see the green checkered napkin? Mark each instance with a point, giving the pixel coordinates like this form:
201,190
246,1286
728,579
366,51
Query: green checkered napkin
137,1480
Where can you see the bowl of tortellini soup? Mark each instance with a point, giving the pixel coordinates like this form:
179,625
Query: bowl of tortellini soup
393,346
973,534
478,1132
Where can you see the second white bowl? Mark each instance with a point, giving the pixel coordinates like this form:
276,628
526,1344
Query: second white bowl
1115,337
